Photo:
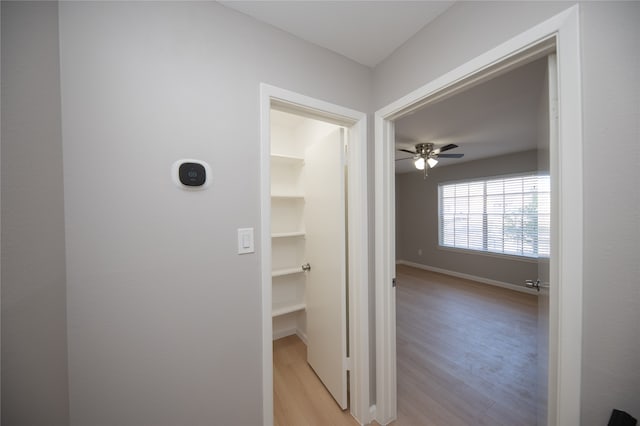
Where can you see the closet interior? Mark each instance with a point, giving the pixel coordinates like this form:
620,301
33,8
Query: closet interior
291,136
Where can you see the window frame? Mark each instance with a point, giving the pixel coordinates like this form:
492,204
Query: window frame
485,251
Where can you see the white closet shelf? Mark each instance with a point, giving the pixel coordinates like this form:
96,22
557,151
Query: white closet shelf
286,271
287,196
288,159
288,234
287,309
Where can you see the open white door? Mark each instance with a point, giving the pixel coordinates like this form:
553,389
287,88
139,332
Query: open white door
326,253
543,344
545,165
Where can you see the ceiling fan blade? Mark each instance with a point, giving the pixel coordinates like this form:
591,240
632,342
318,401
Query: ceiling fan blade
406,150
450,155
445,148
408,158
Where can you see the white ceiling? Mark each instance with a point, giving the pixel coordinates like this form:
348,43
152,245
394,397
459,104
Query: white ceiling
364,31
497,117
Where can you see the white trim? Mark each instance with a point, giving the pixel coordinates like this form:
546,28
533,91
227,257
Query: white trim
496,177
385,271
302,336
265,258
358,255
503,256
279,334
570,221
552,296
566,263
475,278
290,332
372,412
356,122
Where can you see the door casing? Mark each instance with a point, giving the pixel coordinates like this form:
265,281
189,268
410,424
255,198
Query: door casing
560,34
357,240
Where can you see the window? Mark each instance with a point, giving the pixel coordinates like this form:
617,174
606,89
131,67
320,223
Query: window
509,215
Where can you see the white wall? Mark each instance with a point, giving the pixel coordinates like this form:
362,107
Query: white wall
164,316
34,329
610,65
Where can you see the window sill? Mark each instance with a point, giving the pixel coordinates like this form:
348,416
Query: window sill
491,254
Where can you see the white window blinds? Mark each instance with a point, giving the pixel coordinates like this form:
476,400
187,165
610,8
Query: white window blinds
509,215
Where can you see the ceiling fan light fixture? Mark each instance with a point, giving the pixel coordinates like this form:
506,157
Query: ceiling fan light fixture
425,157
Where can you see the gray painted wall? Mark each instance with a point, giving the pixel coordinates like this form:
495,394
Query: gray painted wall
611,99
34,343
164,316
463,32
610,65
417,219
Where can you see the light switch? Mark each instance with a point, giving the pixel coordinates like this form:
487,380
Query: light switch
245,240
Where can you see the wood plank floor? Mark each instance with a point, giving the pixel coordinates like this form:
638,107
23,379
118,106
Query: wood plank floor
299,397
466,352
466,356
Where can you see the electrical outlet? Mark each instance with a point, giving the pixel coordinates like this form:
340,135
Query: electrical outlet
419,252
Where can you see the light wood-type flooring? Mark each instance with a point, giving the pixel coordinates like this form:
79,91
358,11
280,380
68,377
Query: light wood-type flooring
466,355
299,397
466,352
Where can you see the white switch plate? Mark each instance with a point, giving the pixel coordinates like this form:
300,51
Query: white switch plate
245,240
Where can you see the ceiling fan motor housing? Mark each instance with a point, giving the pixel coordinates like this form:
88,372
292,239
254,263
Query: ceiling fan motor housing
424,149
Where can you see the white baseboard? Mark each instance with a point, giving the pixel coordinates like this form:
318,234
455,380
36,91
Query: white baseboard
302,336
279,334
468,277
372,412
284,332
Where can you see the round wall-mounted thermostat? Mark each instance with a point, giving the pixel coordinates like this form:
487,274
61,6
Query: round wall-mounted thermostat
191,174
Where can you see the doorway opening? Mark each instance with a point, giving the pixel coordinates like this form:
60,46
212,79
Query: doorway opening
308,256
313,242
557,35
478,221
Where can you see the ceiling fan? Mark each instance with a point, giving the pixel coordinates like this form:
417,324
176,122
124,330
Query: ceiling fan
425,156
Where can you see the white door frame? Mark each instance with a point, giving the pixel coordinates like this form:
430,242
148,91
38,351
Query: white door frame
356,123
561,33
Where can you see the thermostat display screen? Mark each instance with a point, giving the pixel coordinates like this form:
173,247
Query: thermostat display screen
192,174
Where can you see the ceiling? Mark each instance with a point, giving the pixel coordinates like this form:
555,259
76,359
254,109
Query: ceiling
497,117
494,118
364,31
